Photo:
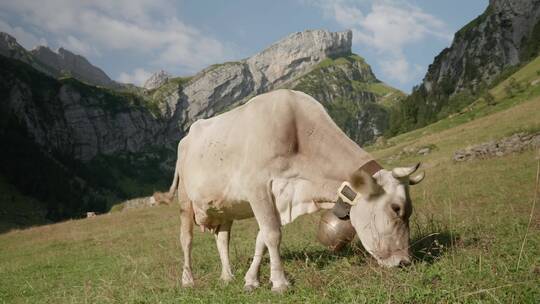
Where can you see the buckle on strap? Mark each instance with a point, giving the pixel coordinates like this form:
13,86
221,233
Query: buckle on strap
347,194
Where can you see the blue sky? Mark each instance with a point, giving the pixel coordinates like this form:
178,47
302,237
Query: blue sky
130,39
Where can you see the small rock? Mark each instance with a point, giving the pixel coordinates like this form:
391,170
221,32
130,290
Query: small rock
516,143
424,151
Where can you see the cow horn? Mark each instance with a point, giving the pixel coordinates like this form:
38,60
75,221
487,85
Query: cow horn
404,171
417,179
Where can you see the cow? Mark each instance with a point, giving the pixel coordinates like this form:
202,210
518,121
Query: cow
275,158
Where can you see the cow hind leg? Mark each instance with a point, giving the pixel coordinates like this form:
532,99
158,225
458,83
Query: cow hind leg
252,275
223,235
186,238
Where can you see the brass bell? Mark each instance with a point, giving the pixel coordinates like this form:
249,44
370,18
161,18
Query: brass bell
334,232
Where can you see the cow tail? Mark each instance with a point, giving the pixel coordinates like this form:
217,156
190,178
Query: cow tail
174,186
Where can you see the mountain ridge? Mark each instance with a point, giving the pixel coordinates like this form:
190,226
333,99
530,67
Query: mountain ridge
56,64
505,35
121,143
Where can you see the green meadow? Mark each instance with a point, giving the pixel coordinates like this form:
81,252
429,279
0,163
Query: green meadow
475,235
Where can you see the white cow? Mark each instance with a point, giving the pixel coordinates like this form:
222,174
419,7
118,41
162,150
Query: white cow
277,157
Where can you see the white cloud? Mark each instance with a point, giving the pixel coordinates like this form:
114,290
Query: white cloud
148,28
137,76
346,16
25,38
79,47
399,69
387,27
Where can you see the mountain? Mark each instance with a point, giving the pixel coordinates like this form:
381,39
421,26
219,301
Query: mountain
289,63
94,146
70,64
56,64
483,52
9,47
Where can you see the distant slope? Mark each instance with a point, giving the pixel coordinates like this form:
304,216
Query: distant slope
512,89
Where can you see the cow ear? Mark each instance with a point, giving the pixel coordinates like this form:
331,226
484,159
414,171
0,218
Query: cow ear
364,183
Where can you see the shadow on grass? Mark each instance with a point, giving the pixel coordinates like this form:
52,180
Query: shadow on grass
426,247
429,247
322,257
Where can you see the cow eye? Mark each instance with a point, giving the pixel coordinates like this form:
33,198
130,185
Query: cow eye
396,208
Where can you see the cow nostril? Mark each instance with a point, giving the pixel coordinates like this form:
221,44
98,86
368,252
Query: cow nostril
404,263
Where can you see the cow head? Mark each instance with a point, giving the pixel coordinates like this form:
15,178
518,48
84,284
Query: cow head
379,208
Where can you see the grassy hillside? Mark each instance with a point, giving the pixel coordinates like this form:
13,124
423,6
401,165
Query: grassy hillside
468,230
514,88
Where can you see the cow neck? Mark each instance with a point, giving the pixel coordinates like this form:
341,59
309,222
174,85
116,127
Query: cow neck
338,155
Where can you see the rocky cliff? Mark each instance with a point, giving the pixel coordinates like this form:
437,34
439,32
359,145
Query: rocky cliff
223,86
507,34
75,119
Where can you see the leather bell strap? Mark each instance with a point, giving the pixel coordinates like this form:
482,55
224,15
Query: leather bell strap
371,167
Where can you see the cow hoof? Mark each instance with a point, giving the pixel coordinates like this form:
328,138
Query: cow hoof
250,287
280,289
227,278
188,284
187,280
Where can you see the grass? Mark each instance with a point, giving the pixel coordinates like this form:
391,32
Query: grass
468,227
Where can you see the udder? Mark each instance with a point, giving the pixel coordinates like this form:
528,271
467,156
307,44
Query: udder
212,214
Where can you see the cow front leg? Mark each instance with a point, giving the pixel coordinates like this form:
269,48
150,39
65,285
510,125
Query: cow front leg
252,275
272,239
223,236
270,227
186,237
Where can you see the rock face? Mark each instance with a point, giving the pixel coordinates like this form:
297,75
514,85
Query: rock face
73,65
291,56
157,79
74,119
